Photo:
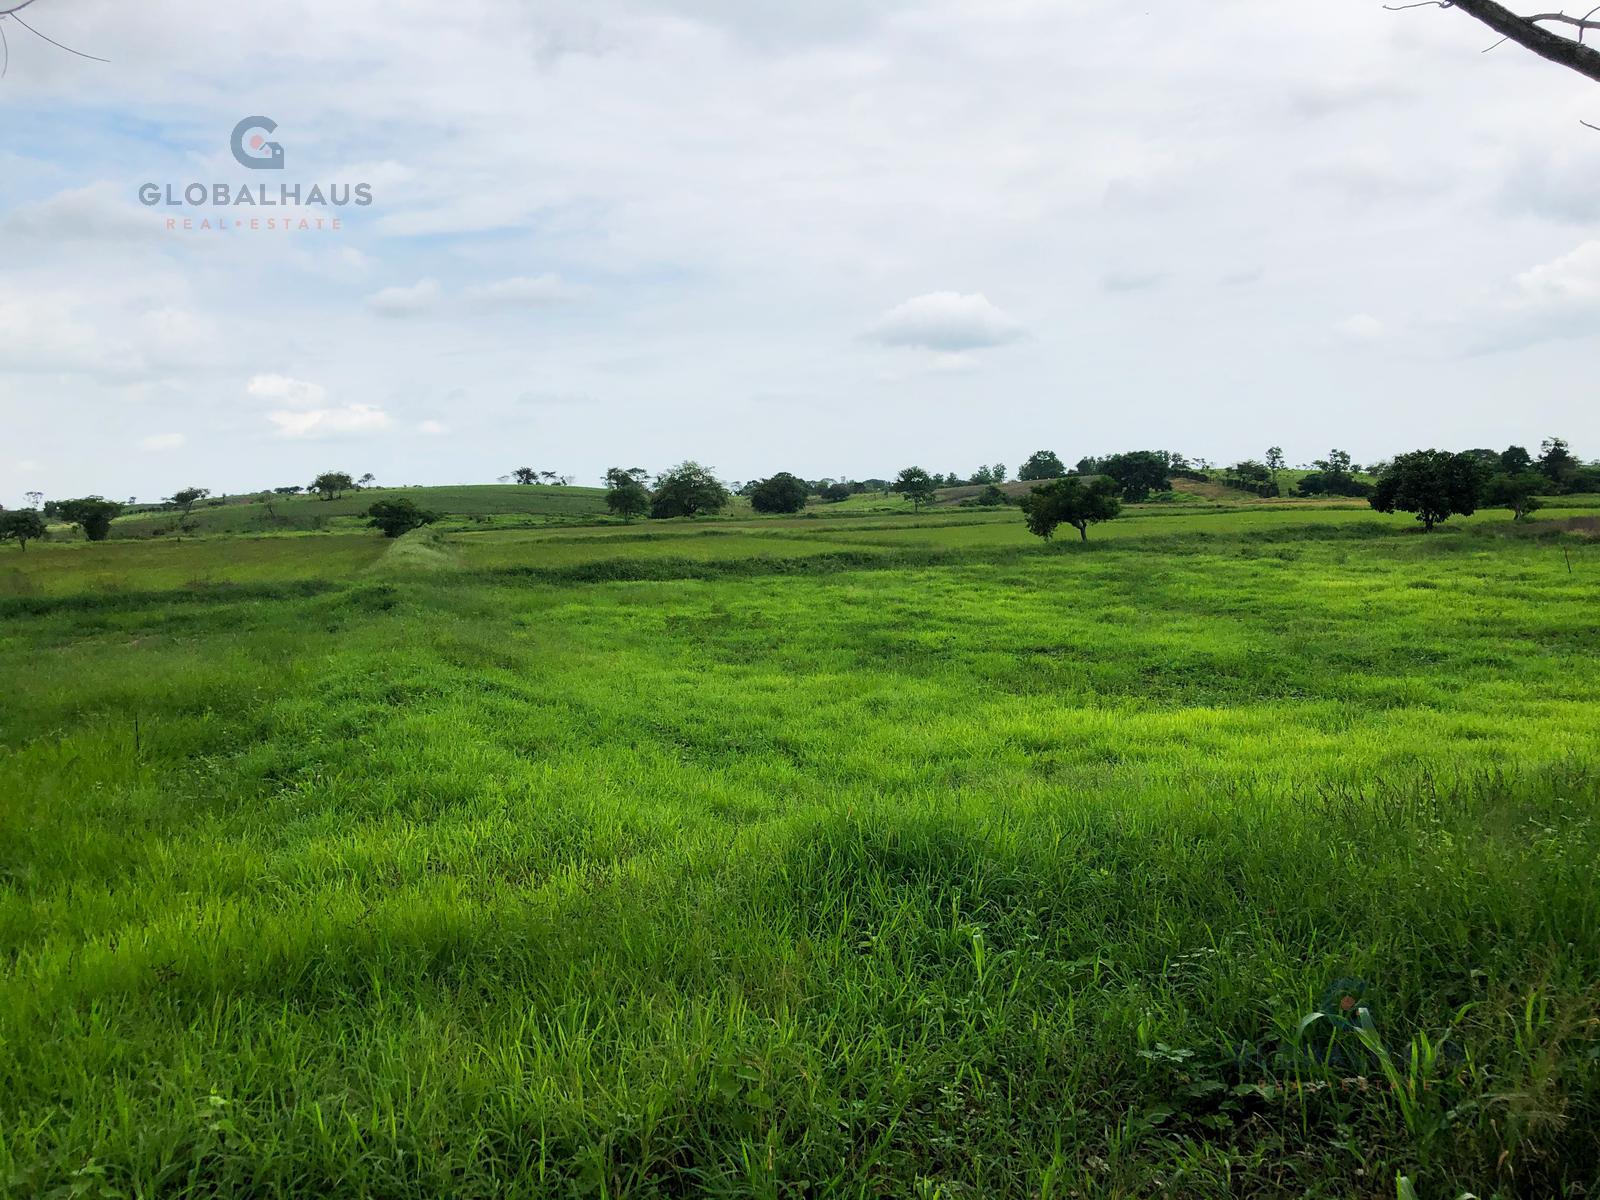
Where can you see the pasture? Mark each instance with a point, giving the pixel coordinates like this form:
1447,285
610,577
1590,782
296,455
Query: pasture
805,858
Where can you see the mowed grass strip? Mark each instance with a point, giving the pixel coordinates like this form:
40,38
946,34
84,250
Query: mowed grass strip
999,878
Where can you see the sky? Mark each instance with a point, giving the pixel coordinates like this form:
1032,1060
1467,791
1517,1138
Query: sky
835,238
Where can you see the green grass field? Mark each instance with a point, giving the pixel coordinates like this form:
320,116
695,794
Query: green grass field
783,858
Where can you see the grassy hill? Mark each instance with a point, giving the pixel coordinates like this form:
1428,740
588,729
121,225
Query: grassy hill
477,504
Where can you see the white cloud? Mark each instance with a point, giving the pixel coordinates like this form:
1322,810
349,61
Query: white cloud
281,389
1554,301
411,301
432,428
833,165
946,321
530,291
318,423
1563,285
99,212
302,410
1363,327
1131,281
158,442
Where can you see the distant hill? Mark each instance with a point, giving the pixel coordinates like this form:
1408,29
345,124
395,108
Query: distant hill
476,504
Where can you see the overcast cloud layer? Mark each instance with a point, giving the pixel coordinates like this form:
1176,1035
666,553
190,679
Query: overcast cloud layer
834,238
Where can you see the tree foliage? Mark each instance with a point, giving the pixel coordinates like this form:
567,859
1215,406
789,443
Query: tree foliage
1139,473
1042,464
628,499
1557,463
92,514
781,493
186,498
398,515
687,490
1334,476
1515,459
1071,501
1434,484
21,525
917,486
330,485
1518,492
1251,476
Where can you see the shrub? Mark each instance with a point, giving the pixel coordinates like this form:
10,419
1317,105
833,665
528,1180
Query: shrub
398,516
782,493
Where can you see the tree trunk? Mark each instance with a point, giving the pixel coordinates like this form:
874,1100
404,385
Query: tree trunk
1083,532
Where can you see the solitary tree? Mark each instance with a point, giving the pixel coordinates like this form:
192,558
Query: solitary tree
330,485
1274,460
525,475
23,525
782,493
628,499
1070,501
1519,492
917,486
92,514
397,516
1042,464
1434,484
35,499
187,498
687,490
366,480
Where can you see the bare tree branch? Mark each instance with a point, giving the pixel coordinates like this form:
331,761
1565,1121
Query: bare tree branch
1530,32
52,40
8,11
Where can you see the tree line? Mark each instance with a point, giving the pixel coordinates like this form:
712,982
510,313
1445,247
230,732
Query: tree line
1433,484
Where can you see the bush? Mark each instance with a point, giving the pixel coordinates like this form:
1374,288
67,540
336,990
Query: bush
783,493
398,516
1333,483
